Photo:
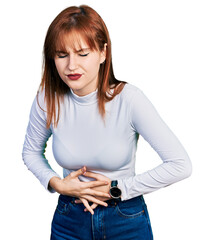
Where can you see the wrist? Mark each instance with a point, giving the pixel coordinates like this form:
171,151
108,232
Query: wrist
56,184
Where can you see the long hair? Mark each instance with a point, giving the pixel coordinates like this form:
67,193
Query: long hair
85,22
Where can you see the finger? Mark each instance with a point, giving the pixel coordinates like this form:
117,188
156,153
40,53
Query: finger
79,172
98,193
93,206
92,175
92,184
78,201
95,200
88,207
94,193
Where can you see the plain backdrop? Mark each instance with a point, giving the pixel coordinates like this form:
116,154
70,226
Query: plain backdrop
166,48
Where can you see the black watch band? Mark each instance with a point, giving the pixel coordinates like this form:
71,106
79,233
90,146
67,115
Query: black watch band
114,183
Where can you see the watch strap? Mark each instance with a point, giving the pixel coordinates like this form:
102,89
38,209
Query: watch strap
114,183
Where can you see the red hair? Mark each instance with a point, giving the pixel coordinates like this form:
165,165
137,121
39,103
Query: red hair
81,22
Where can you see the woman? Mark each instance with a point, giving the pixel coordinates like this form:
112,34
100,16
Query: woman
95,121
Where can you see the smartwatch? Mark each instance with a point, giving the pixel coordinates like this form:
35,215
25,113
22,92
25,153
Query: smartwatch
115,192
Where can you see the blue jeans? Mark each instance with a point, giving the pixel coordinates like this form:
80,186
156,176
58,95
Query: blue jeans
121,220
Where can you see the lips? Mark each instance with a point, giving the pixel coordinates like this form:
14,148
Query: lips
75,76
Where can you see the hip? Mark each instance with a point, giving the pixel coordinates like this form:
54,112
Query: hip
128,219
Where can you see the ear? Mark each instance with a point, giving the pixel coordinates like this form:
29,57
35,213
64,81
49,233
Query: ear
103,54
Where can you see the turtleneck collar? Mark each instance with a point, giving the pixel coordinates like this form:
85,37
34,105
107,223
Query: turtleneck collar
85,100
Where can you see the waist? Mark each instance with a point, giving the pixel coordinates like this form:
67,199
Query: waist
119,174
110,202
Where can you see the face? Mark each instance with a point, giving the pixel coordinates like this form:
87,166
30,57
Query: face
79,67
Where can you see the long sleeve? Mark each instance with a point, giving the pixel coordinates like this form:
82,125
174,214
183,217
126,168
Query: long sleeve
175,165
35,142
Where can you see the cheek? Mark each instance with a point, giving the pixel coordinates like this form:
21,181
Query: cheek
57,64
59,68
93,66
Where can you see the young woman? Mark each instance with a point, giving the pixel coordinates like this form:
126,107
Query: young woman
95,121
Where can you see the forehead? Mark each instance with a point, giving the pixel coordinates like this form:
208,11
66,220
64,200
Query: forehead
73,40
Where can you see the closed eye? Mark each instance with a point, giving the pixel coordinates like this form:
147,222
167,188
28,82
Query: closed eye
60,54
83,55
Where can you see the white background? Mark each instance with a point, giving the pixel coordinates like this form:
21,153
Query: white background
166,48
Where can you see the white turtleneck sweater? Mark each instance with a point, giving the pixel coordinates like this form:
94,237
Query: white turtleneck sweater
83,139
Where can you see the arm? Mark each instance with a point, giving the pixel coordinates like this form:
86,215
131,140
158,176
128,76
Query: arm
35,143
33,155
176,164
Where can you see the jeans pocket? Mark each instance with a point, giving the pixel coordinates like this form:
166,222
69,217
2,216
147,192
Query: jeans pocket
131,208
63,207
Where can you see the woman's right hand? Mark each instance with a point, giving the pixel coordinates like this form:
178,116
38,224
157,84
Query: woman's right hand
72,186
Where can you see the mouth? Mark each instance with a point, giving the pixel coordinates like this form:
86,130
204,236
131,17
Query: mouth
75,76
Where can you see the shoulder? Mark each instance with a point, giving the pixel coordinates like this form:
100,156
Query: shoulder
135,98
41,95
39,101
131,92
130,88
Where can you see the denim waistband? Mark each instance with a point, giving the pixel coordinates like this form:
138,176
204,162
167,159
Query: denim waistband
110,201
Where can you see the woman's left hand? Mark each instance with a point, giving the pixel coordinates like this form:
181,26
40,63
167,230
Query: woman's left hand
105,188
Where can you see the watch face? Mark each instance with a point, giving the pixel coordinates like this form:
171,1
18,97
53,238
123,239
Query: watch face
115,192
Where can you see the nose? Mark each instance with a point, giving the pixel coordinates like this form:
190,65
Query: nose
72,64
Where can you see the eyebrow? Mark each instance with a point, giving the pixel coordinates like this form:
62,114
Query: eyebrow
82,49
77,51
58,51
